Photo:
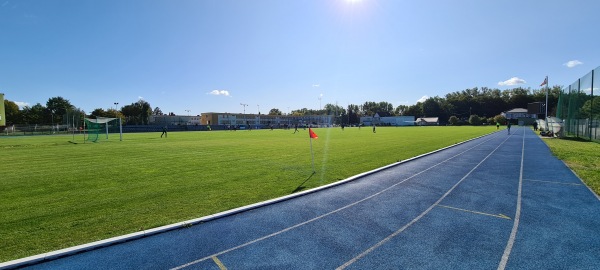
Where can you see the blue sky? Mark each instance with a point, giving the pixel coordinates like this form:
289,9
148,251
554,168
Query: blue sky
212,55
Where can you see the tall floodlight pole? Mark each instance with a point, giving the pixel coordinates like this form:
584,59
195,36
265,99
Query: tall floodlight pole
320,97
116,104
52,119
244,105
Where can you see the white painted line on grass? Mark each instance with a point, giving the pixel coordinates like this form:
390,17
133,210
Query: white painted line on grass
128,237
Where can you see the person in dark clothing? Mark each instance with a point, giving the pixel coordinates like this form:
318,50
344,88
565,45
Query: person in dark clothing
164,131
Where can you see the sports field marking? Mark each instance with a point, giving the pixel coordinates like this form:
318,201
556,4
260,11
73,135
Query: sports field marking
329,213
219,263
554,182
385,240
513,232
475,212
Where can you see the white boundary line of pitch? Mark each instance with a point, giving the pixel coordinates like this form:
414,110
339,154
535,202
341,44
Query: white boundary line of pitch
132,236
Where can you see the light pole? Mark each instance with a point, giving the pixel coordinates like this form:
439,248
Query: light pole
116,104
244,121
320,97
52,119
188,111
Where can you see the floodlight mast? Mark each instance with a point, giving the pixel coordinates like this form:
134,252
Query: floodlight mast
244,105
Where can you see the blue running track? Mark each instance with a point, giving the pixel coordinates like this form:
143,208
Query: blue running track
497,202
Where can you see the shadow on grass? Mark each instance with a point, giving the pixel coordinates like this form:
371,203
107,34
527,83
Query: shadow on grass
301,186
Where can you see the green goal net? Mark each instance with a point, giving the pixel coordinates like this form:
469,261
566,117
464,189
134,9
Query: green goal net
99,129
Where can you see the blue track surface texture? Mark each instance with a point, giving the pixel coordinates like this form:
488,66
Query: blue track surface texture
500,201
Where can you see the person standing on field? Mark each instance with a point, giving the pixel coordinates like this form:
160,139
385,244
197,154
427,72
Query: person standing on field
164,131
497,125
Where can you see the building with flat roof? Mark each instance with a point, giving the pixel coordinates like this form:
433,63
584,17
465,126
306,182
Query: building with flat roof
174,120
262,120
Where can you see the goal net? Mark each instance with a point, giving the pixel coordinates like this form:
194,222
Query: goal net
99,128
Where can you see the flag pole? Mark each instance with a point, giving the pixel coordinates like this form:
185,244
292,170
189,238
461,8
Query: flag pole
312,155
547,90
311,136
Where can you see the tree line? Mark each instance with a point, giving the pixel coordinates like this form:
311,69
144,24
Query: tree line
483,103
58,110
474,106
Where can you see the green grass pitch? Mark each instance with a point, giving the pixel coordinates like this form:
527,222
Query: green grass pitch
57,193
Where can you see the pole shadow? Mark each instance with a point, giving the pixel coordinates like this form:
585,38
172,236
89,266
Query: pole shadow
301,186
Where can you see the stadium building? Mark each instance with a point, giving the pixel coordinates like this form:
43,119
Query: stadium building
262,120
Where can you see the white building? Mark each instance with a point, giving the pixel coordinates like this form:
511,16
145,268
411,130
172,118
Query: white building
174,120
518,113
388,120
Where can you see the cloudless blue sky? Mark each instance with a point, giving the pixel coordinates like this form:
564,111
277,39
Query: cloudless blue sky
212,55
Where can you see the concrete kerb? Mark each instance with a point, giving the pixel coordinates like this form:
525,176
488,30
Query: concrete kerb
53,255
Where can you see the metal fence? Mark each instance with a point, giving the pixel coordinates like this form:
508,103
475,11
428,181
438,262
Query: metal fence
15,130
579,108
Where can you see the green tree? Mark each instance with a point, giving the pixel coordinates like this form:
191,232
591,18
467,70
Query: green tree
453,120
371,108
353,114
99,112
58,107
11,110
591,108
415,110
137,113
400,110
431,108
500,119
475,120
274,111
34,114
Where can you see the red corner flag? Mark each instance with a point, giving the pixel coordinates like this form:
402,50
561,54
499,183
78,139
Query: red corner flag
312,134
545,81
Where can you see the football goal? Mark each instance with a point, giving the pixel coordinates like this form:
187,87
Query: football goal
99,128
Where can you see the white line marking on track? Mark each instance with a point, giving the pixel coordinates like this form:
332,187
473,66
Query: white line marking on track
385,240
329,213
474,212
513,233
554,182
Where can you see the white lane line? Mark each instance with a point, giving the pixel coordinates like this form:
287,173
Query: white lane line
554,182
475,212
513,233
385,240
326,214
